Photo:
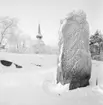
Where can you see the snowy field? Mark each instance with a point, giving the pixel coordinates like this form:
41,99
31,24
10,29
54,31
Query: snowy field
34,84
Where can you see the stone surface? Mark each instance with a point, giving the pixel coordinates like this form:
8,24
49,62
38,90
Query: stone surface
6,63
74,61
9,63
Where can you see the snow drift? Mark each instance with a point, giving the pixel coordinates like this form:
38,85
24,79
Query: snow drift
35,85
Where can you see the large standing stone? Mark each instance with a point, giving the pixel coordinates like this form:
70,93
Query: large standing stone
74,61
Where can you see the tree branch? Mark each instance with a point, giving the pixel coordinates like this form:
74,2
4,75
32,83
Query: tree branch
3,33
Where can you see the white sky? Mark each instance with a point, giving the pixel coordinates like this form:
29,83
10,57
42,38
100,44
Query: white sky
48,13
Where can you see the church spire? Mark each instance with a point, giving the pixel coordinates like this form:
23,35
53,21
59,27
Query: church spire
39,30
39,36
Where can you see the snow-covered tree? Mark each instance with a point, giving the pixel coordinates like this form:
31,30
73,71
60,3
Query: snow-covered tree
7,28
96,44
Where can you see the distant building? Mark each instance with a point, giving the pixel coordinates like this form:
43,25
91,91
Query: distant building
40,47
39,37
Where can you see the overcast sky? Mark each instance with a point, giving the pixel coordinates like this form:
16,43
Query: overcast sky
48,13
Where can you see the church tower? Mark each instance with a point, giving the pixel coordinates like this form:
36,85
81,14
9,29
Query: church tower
39,36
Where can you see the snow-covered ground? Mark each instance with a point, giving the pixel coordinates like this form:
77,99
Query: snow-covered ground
35,85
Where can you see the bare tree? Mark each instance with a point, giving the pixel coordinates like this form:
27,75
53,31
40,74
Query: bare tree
12,37
7,26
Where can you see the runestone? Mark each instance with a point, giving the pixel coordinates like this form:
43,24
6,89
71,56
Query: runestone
74,60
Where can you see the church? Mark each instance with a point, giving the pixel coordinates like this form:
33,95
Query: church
39,37
39,45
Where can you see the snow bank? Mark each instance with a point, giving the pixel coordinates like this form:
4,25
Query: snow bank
29,60
97,73
33,85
